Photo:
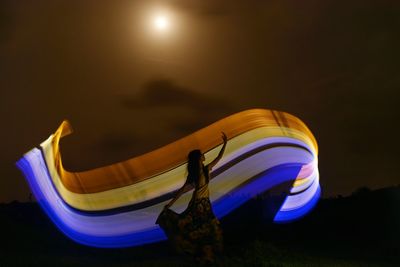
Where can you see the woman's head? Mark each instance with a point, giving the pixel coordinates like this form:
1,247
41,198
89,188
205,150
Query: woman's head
195,160
195,156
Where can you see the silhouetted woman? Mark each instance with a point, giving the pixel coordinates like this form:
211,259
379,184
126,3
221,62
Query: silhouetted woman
196,231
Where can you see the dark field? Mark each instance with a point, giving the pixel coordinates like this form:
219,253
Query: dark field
360,230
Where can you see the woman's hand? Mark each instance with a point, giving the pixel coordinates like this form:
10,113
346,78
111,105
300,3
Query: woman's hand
224,138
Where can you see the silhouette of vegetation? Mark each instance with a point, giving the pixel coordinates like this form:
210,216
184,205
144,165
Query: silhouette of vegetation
362,191
362,229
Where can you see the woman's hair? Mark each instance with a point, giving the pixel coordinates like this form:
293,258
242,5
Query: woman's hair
193,166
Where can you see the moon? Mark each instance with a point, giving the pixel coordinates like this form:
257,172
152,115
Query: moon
161,22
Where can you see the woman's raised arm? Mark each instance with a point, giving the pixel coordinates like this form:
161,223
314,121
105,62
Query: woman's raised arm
221,152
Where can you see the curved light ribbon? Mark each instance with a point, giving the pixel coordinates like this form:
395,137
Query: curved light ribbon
117,205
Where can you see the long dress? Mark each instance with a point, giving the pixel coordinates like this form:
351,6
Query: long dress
196,231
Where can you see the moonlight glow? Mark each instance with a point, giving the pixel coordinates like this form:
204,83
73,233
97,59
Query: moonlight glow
161,23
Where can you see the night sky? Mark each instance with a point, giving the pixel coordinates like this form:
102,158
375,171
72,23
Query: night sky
128,88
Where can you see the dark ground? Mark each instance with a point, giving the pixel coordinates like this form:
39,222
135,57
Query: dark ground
360,230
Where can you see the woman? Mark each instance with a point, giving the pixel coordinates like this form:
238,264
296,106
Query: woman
196,231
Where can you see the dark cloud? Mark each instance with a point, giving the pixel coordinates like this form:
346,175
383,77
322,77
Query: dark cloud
165,93
220,8
191,110
209,8
6,21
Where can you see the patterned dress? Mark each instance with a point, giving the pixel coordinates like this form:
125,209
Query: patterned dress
196,231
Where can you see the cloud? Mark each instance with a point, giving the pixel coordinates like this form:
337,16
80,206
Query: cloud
165,93
208,8
7,23
185,109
